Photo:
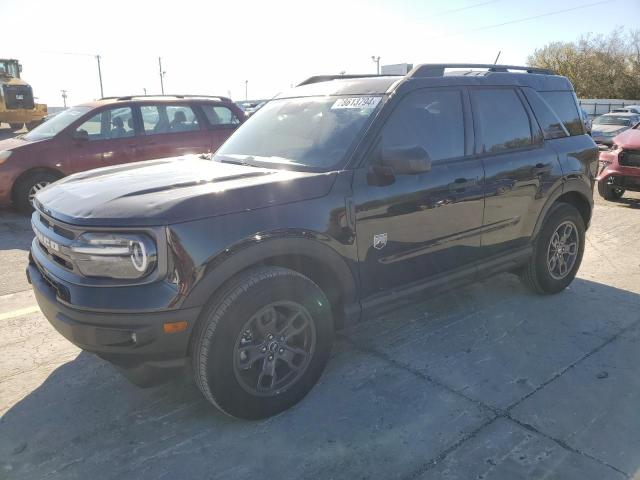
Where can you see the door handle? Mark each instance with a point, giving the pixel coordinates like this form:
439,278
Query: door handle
541,168
460,184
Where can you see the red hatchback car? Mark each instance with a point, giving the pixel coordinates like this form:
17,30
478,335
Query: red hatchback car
112,131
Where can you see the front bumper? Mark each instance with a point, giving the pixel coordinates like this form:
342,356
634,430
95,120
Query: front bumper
135,343
627,178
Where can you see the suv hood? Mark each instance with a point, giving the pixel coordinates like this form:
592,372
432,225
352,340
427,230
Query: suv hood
172,190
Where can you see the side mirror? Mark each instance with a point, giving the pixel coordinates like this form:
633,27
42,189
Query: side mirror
410,160
81,136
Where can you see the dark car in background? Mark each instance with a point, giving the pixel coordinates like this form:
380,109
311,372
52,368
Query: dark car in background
607,126
335,199
112,131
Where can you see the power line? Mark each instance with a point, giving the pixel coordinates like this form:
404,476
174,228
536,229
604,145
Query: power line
454,10
518,20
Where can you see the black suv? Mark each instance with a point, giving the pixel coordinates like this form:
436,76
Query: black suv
331,201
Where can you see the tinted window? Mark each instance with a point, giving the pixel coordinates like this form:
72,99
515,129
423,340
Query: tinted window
432,119
55,125
309,132
564,105
218,115
502,119
109,124
551,125
158,119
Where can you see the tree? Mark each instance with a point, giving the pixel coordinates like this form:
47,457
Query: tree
599,66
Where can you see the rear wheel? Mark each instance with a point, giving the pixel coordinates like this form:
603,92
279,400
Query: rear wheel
16,126
32,125
609,192
262,343
27,188
557,251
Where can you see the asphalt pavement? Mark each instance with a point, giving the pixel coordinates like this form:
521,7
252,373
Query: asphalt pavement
488,381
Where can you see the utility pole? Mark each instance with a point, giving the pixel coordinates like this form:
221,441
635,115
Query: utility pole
246,89
64,98
162,72
100,76
376,60
496,60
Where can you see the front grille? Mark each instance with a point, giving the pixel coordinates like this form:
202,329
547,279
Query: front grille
18,97
629,158
57,228
54,239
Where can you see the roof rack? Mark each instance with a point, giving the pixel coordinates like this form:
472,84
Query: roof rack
437,69
326,78
130,97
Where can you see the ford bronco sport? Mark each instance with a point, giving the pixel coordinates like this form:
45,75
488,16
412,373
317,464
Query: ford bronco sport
332,200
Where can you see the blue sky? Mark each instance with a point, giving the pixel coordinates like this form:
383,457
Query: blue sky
213,47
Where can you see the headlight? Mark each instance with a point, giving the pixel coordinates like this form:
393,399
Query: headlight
4,154
124,256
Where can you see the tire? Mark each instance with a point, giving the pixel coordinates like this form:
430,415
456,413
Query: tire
16,126
538,274
26,186
31,125
609,192
239,319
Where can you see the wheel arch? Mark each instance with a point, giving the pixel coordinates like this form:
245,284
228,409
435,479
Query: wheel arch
575,193
32,171
312,258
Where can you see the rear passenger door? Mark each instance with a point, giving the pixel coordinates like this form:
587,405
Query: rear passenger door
221,123
519,167
172,130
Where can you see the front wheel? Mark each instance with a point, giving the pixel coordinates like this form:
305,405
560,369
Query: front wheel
16,126
262,343
27,188
609,192
557,251
31,125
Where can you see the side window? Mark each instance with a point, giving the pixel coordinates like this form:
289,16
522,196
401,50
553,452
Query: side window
219,115
108,124
502,119
564,105
551,125
432,119
159,119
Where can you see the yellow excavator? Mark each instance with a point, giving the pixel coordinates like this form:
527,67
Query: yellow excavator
17,107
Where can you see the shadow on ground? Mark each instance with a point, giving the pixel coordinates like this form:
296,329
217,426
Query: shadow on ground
453,387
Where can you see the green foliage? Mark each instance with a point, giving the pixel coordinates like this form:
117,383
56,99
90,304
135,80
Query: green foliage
599,66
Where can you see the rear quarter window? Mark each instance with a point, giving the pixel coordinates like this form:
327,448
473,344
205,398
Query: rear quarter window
565,107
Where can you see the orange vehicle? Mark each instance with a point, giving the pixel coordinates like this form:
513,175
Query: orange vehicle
17,107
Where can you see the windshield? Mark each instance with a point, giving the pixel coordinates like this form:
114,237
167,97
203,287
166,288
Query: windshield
612,120
312,132
9,68
55,125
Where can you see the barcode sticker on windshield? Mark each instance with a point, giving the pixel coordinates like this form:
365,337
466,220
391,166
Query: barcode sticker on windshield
356,102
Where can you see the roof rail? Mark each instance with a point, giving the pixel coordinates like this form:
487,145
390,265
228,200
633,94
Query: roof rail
326,78
437,69
130,97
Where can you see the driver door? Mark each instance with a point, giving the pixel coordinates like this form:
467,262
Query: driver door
110,139
415,226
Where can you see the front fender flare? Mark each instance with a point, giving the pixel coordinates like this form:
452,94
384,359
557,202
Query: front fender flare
250,252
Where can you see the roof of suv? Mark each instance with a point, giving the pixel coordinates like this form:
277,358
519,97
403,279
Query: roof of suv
431,75
155,99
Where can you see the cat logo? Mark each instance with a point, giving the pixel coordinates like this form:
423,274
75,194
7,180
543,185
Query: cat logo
379,241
